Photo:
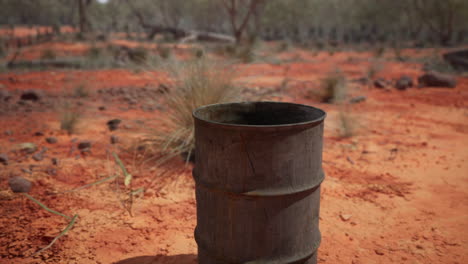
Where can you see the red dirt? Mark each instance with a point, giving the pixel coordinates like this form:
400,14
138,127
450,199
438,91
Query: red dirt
395,192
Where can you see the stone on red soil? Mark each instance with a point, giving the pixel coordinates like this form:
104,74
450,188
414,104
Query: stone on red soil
51,140
31,95
113,124
380,83
19,184
404,83
84,145
3,159
5,95
114,139
38,156
435,79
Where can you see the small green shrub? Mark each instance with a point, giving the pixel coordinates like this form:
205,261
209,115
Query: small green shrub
139,55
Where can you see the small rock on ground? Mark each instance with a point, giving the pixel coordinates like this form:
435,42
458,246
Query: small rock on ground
31,95
435,79
19,184
55,161
113,124
51,140
114,139
3,159
84,145
357,99
380,83
38,156
404,83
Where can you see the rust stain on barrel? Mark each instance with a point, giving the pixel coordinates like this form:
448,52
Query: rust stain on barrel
258,174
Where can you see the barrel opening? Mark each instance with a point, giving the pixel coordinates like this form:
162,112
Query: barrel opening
259,114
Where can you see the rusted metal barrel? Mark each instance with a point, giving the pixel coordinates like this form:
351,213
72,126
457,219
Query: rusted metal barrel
258,172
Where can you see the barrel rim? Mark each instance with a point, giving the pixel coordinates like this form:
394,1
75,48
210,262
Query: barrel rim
299,124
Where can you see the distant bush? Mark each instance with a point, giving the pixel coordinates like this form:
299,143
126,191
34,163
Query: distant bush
164,52
138,55
48,54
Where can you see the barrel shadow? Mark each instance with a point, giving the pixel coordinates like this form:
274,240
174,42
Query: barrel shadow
161,259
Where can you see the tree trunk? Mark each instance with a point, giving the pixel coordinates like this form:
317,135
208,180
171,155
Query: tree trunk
82,8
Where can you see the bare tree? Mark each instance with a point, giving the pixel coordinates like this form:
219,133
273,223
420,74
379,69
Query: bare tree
240,13
83,15
439,16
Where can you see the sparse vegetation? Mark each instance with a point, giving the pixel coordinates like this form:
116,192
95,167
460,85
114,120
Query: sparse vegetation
48,54
346,124
333,87
374,68
164,51
438,64
196,83
69,118
139,55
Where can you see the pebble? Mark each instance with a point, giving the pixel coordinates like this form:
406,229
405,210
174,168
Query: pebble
38,156
113,124
4,159
51,140
84,145
114,139
19,184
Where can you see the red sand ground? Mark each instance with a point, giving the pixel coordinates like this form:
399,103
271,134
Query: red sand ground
395,192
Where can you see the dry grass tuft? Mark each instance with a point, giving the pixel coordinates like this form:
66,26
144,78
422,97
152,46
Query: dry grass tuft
333,87
196,83
69,118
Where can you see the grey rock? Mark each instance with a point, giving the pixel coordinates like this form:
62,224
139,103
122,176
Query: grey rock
51,140
114,139
435,79
84,145
380,83
19,184
4,159
38,156
5,95
113,124
357,99
404,83
51,171
31,95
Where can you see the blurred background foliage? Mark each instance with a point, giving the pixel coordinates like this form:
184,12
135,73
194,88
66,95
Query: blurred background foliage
428,21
